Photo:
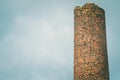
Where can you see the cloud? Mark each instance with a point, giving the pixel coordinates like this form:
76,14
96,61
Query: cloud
37,47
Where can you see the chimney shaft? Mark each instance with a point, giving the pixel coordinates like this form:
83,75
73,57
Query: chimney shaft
90,47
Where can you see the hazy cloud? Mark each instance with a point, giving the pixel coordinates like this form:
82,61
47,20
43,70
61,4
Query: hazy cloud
37,47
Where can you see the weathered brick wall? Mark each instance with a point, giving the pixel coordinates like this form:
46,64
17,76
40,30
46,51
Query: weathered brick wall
90,51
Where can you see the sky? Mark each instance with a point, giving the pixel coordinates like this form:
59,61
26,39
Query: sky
36,38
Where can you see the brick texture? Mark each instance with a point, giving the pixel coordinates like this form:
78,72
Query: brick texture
90,50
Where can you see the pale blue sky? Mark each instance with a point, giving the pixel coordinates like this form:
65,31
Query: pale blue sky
36,38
